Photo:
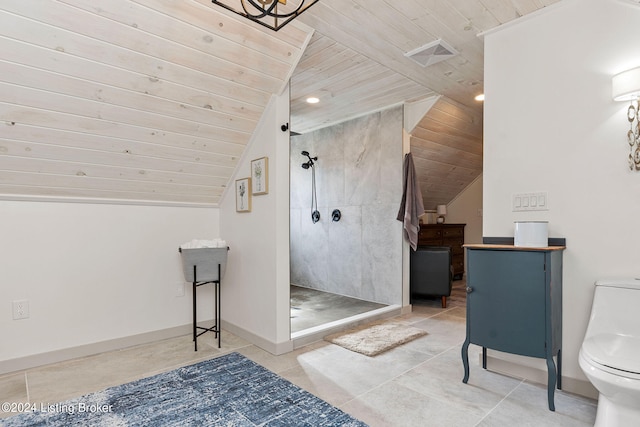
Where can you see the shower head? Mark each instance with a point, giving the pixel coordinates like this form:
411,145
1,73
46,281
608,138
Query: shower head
308,163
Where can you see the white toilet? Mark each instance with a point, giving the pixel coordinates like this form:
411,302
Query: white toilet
610,352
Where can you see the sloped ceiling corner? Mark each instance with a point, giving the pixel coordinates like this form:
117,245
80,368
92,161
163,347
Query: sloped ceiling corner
447,151
140,101
347,83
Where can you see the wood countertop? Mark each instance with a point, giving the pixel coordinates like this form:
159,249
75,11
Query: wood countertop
513,248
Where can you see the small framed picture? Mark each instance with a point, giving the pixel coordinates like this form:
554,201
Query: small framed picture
243,195
260,176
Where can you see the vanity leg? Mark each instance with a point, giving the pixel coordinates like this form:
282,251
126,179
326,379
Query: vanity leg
551,382
465,360
559,369
484,357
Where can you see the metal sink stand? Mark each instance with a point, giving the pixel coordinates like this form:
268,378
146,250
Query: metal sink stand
216,326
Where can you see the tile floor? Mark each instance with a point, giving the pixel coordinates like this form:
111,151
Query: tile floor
310,307
417,384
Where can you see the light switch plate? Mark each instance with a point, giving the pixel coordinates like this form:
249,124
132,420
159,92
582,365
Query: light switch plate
530,202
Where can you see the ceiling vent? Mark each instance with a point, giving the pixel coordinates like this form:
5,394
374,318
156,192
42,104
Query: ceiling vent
432,53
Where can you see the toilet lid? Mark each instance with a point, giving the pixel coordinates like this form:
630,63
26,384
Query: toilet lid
619,352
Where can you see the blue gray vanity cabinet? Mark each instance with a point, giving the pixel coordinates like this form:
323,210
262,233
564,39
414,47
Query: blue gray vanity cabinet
514,305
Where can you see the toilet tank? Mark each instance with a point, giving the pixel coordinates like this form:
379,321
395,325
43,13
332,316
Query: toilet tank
616,304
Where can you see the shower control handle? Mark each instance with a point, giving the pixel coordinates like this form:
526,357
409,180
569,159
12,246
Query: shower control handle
336,215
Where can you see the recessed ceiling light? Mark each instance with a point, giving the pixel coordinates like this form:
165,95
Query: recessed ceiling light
313,100
479,97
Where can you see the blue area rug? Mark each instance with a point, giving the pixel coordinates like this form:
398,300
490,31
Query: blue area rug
230,390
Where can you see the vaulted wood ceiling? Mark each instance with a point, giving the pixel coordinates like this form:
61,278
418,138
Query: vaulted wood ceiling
155,100
447,151
150,100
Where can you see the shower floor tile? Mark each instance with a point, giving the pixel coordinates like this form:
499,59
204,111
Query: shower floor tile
310,307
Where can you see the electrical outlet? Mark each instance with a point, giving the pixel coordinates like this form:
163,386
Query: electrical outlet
20,309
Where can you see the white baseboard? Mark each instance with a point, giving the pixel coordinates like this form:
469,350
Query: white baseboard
406,309
571,385
28,362
32,361
270,346
41,359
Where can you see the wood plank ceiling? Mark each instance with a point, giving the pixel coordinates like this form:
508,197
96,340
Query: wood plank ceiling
148,100
447,151
154,100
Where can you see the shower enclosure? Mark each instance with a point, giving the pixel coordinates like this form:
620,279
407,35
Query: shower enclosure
357,251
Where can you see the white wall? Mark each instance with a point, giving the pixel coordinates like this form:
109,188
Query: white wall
103,273
93,272
255,289
551,125
466,208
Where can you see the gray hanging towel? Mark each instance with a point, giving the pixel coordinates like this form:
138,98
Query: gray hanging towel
411,207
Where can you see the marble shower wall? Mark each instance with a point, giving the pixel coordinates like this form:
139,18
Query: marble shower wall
359,171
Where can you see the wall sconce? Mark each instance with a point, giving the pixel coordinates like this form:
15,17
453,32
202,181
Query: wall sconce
626,87
441,210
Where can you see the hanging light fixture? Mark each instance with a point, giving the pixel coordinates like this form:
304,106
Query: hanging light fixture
273,14
626,87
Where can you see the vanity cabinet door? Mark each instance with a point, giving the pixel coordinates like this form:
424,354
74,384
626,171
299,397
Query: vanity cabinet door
506,305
